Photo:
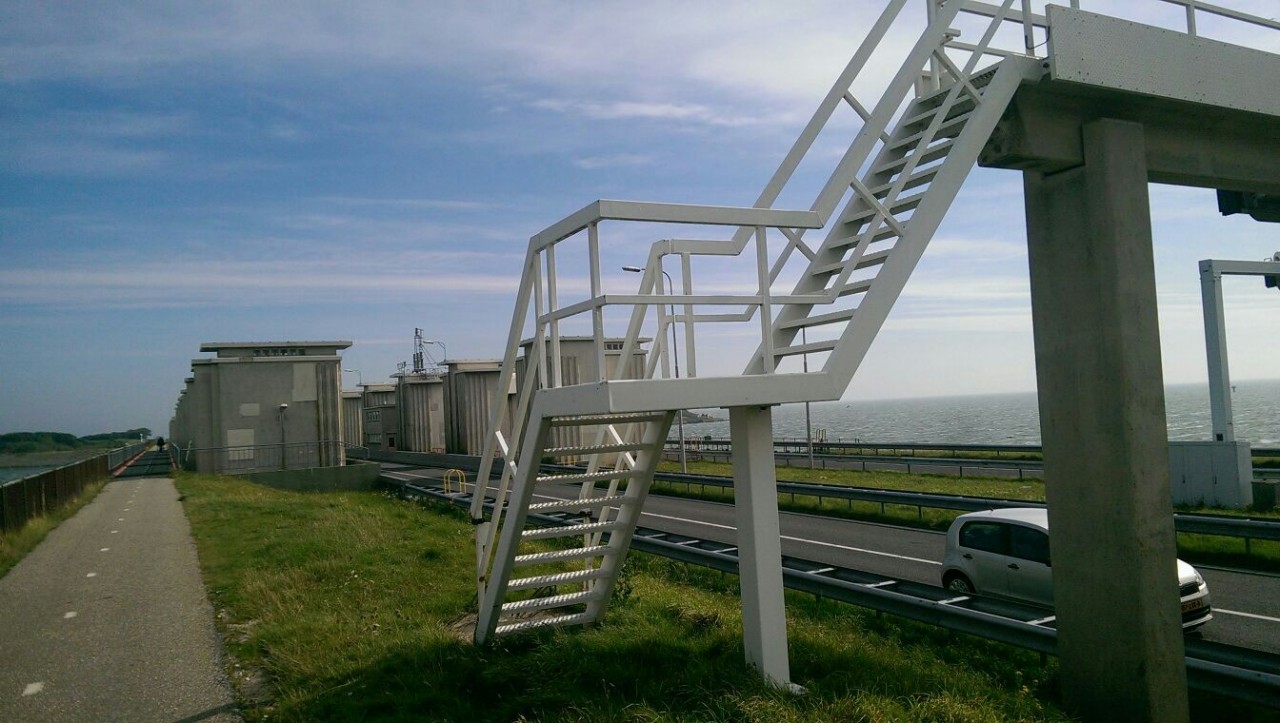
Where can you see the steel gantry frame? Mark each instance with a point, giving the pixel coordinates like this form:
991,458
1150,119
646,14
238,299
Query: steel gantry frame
1215,335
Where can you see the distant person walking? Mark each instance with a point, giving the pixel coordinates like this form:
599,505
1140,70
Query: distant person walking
160,443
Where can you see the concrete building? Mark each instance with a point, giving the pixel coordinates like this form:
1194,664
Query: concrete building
381,420
579,364
352,418
468,400
262,405
420,404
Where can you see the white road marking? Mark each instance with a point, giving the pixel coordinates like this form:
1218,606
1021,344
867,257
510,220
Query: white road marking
69,615
1247,615
115,532
799,539
32,689
92,574
119,519
105,549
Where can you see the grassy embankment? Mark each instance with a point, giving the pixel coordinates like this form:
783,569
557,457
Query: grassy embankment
349,606
1214,550
15,544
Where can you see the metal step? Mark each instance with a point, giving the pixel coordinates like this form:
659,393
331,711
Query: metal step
575,478
948,128
543,533
588,503
555,621
559,578
857,287
867,261
577,553
812,347
551,601
808,322
586,420
919,178
935,152
592,449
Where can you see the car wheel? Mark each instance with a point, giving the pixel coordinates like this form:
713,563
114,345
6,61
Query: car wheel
960,584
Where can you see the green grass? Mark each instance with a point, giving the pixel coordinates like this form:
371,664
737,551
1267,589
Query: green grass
15,544
349,606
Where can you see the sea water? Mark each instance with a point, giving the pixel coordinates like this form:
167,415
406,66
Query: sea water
1000,419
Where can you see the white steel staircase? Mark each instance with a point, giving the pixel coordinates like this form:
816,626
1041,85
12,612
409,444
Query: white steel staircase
904,166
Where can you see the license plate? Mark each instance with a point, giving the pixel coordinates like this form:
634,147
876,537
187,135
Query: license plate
1190,605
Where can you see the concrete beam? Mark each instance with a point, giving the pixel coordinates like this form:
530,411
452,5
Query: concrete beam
1102,417
1187,144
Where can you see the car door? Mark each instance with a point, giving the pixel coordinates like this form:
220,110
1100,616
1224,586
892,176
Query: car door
984,548
1028,573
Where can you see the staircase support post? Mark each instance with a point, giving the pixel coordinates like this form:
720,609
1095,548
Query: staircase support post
1102,416
755,488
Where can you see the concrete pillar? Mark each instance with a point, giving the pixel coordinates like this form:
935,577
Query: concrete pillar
1102,419
755,489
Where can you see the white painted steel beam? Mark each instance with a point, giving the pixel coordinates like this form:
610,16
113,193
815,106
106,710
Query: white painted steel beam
755,492
1215,336
606,210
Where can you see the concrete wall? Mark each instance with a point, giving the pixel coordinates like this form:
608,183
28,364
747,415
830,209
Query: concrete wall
579,365
1217,474
468,394
357,476
353,419
263,404
420,399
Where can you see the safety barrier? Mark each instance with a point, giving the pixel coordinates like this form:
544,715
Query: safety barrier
25,499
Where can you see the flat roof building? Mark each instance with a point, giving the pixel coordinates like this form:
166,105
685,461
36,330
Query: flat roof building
261,405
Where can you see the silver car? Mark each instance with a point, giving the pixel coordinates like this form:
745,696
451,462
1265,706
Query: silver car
1005,553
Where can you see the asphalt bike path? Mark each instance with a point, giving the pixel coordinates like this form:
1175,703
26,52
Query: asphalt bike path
108,620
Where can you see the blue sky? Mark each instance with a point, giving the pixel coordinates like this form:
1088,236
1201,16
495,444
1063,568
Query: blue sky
174,174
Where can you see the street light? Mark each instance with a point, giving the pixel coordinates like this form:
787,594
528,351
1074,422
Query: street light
675,355
359,376
444,353
283,409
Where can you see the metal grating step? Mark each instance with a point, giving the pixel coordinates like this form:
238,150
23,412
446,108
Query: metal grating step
551,601
555,621
605,419
867,261
559,578
584,504
586,476
812,347
543,533
577,553
593,449
919,178
931,154
808,322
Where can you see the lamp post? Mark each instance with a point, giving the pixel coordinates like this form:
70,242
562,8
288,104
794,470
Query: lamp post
675,356
359,376
444,353
283,408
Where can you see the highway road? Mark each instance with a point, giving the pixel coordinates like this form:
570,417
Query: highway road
1246,604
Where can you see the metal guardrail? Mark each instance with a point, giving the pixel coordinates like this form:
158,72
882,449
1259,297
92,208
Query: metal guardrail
1221,525
22,500
1227,670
